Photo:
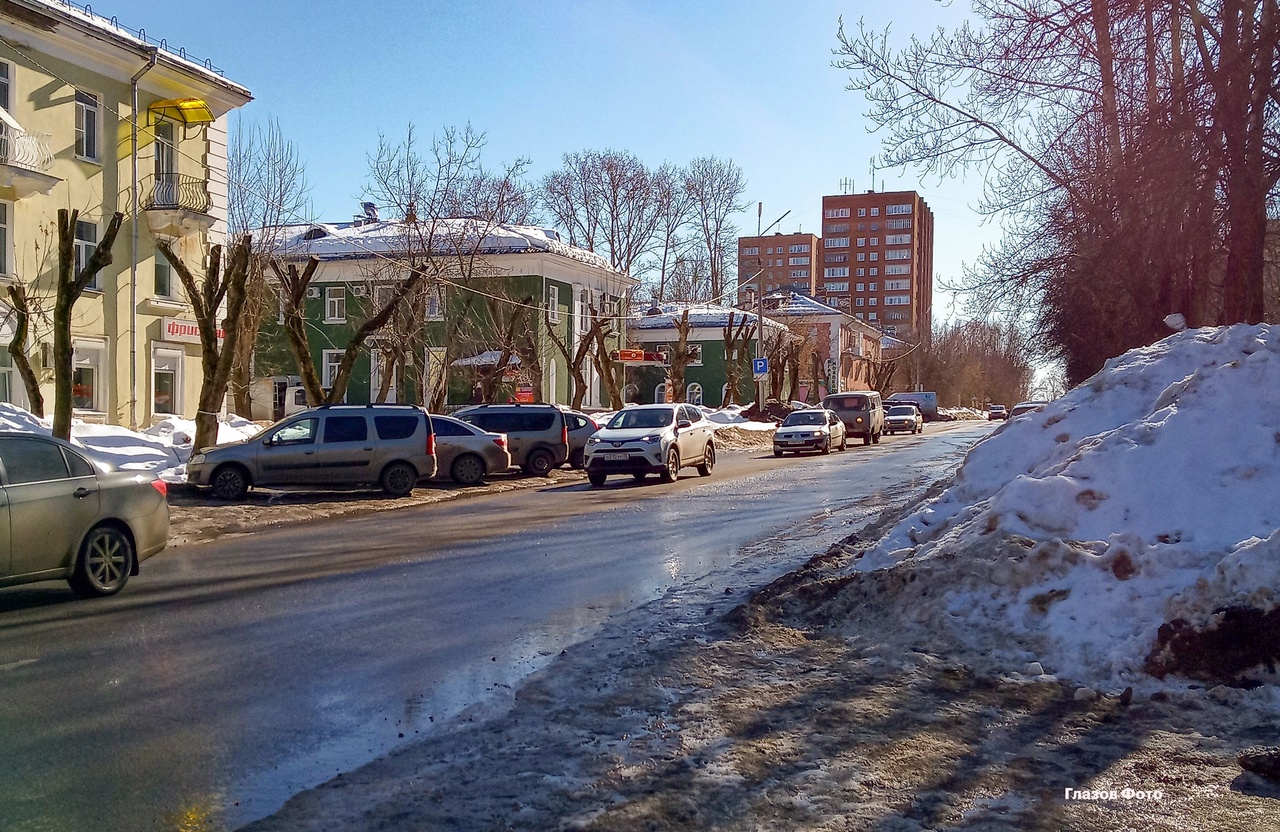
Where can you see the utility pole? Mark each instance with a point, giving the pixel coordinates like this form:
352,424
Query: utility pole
760,316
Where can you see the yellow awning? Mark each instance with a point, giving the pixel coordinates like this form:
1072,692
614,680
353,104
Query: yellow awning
185,110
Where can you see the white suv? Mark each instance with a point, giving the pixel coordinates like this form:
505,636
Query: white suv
652,438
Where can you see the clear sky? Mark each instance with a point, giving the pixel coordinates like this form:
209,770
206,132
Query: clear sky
668,80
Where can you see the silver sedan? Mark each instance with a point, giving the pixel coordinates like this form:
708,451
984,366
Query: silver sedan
63,517
467,454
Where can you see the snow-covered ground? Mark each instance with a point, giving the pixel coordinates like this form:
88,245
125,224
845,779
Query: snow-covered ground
164,447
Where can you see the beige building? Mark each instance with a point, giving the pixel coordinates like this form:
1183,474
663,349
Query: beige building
68,82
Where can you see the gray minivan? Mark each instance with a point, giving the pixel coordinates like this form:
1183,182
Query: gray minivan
861,411
390,445
537,434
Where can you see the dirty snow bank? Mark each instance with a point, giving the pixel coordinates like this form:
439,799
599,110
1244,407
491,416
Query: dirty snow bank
164,447
1149,493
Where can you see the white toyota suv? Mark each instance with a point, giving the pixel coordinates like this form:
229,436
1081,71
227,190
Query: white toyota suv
652,438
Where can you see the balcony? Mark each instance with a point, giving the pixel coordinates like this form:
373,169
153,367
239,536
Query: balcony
176,205
25,160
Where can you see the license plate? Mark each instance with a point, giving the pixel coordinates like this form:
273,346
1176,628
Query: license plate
617,457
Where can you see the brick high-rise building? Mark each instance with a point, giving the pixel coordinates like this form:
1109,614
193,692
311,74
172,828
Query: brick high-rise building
876,260
790,262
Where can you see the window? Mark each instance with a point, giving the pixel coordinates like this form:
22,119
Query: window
332,359
897,269
897,300
302,432
842,286
838,213
838,228
797,261
861,273
443,427
345,429
166,381
86,241
859,316
860,287
897,224
862,302
32,460
862,212
839,271
87,115
837,258
795,273
898,240
553,303
769,251
896,316
862,241
898,209
335,305
164,278
166,158
898,254
873,302
86,370
875,212
4,87
695,354
751,251
835,242
897,285
862,257
872,287
799,248
875,255
871,316
693,393
5,213
875,272
875,241
6,377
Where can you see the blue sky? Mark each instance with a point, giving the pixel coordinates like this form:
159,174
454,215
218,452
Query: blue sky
744,79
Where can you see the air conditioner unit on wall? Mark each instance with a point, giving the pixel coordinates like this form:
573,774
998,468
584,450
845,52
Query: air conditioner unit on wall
313,292
358,291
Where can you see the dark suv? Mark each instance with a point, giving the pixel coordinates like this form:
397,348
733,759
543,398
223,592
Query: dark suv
537,434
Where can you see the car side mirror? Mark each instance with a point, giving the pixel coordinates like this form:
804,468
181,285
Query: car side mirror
683,423
269,441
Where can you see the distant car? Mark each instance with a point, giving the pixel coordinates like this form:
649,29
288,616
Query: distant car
70,519
652,438
903,418
997,411
581,428
537,434
861,412
816,429
1025,407
390,445
466,454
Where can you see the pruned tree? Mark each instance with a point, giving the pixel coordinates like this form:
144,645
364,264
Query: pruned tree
715,188
576,354
681,355
737,342
69,286
220,284
23,309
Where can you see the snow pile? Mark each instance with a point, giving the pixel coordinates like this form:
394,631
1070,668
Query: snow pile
731,417
962,413
164,447
1149,493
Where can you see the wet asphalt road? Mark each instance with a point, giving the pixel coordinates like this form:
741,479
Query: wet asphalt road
230,675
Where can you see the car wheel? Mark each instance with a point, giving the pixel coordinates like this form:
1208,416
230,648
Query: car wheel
920,429
106,559
844,441
777,452
398,479
575,460
672,471
875,437
826,446
468,469
598,477
708,460
866,439
539,464
230,482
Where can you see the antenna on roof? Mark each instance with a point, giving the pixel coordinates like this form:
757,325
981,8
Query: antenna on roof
873,174
846,185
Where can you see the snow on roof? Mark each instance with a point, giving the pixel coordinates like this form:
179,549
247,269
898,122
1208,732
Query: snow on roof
384,238
794,304
1073,532
486,359
700,315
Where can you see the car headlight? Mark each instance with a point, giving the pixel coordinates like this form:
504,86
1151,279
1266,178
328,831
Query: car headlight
198,459
653,438
593,441
858,420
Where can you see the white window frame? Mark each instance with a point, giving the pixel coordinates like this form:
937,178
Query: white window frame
6,237
860,302
329,362
335,305
835,242
871,316
695,355
175,354
900,269
93,354
897,285
84,250
751,251
875,256
693,393
873,302
553,303
897,240
875,212
862,212
898,254
88,113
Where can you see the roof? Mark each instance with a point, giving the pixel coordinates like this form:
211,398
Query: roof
700,315
381,238
796,305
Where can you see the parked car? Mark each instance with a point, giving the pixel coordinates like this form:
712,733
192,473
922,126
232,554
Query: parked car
467,454
997,412
810,430
1025,407
861,413
652,438
581,428
537,434
75,520
390,445
903,418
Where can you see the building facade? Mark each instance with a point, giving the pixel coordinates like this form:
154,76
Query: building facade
877,260
68,80
777,263
845,347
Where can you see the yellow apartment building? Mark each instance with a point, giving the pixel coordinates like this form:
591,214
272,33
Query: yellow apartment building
70,83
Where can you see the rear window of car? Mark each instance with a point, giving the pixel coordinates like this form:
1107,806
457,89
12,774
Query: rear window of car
448,427
848,403
345,429
512,422
396,427
30,460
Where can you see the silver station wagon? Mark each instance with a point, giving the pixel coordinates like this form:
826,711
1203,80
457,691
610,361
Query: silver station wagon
392,446
63,517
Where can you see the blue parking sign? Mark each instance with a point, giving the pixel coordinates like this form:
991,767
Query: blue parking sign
759,367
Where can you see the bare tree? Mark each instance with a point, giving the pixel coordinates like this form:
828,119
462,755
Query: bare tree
737,341
23,309
715,188
681,355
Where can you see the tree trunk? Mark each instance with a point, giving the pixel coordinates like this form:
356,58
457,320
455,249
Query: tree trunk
258,299
18,349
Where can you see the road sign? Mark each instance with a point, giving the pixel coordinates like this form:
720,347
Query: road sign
759,368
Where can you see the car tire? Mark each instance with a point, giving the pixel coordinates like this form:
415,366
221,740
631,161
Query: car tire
866,439
104,563
468,469
672,470
844,442
826,447
398,479
875,437
539,463
230,482
597,477
576,460
777,452
708,460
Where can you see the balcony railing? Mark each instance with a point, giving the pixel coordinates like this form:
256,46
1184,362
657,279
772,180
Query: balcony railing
25,150
173,191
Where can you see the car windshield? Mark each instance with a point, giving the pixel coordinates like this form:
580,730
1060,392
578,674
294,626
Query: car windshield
849,403
813,418
901,410
636,418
